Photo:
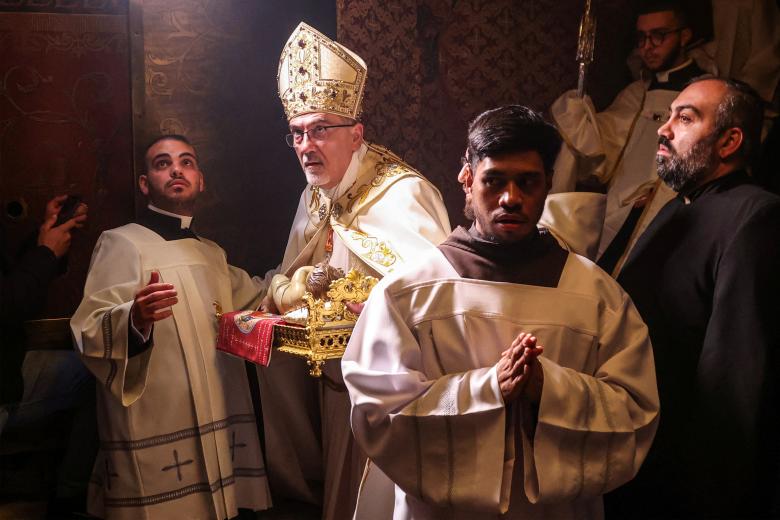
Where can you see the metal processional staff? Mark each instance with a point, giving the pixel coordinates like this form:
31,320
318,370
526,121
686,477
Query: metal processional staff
585,45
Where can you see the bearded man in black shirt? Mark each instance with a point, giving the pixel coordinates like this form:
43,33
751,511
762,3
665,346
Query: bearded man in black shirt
704,277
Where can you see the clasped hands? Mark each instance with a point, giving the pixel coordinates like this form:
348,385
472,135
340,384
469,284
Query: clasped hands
519,371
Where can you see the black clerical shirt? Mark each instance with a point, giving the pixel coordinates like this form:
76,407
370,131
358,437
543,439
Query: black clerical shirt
705,277
168,227
676,79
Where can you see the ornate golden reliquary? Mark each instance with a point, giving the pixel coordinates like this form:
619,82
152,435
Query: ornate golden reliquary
319,329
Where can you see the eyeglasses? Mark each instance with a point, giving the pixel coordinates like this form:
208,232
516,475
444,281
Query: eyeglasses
318,133
656,36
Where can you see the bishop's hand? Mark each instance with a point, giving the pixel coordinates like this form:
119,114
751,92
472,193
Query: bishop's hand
519,371
152,303
268,305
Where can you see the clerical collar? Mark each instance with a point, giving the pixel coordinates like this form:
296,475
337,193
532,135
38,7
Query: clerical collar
350,176
165,224
186,221
676,78
663,76
721,183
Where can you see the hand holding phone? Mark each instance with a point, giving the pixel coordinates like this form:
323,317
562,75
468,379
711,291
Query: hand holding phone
68,209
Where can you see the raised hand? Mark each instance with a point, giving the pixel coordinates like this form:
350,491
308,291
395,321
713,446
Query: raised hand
152,303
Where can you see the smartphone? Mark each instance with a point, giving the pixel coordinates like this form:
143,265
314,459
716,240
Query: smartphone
68,209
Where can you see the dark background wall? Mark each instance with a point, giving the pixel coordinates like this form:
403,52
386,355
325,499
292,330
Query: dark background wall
86,82
65,122
209,72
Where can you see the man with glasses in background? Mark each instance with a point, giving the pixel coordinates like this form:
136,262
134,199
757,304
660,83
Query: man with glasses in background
178,436
363,208
614,149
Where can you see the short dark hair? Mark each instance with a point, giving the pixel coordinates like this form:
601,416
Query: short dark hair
509,129
658,6
167,137
743,108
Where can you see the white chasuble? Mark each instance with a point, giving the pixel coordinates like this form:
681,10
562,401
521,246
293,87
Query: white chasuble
178,437
383,212
383,215
428,411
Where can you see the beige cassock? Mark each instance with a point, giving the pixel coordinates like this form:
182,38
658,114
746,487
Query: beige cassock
384,215
178,437
746,44
747,36
427,409
574,219
617,145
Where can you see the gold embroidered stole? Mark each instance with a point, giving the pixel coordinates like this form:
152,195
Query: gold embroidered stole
379,169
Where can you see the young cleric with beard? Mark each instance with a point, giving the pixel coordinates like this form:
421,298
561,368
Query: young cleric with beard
617,145
705,278
500,374
178,437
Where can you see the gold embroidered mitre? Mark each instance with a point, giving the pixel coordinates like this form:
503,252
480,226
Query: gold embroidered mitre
317,74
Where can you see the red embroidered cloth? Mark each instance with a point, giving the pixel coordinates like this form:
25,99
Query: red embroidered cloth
248,335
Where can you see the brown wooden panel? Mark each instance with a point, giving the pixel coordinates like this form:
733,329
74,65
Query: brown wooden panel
65,6
65,124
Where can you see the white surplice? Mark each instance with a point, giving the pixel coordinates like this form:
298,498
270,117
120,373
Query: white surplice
427,409
178,436
383,215
618,146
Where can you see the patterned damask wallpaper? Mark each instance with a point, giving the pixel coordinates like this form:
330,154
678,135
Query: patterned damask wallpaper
435,64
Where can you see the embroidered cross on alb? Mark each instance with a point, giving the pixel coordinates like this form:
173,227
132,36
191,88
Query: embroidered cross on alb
109,473
233,446
176,464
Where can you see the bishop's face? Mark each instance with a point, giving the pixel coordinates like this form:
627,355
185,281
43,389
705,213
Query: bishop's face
506,195
173,180
324,144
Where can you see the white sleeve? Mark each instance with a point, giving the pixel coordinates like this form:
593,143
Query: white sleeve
594,431
296,241
248,291
410,217
592,141
444,440
100,325
575,219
